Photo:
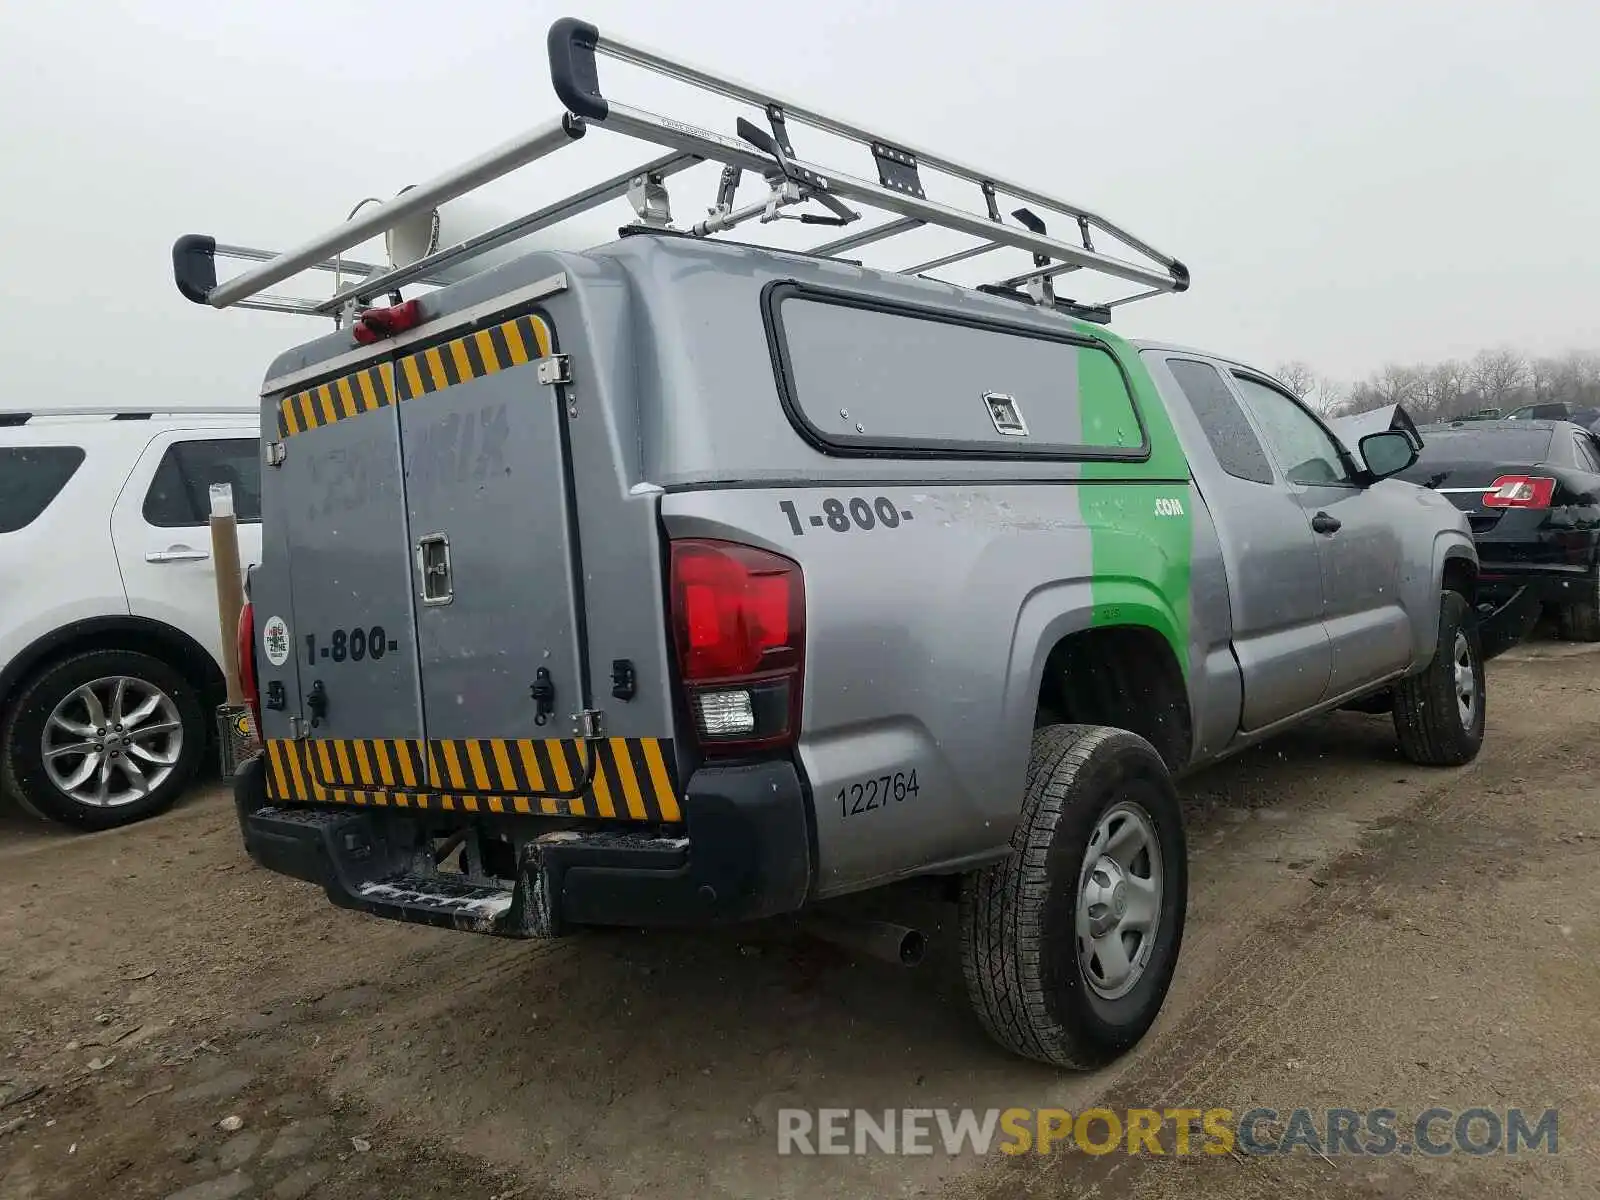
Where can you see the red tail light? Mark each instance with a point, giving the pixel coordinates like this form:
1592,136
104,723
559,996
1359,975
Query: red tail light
739,624
246,643
1520,491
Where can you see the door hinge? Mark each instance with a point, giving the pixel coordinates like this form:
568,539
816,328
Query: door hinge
276,452
555,369
589,723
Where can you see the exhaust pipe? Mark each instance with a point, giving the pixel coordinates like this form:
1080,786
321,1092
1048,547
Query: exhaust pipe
884,940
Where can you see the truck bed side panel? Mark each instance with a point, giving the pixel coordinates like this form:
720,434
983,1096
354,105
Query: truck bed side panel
926,634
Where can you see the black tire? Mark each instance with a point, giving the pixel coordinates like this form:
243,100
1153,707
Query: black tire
1427,714
22,768
1580,622
1019,942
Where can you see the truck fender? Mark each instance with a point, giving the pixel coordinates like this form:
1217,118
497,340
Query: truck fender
1455,558
1054,611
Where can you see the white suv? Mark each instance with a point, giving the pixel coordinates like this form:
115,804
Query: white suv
110,647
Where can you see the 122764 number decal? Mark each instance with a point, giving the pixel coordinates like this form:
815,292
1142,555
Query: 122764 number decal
350,645
857,798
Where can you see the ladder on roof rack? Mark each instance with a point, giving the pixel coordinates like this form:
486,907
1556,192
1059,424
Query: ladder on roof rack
790,180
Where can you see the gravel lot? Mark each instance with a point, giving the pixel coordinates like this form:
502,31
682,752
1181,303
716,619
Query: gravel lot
1362,933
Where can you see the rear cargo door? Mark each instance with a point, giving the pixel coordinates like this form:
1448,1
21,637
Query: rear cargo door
345,651
494,576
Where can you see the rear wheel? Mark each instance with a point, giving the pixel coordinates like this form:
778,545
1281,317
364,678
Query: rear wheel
1580,622
102,739
1439,714
1068,946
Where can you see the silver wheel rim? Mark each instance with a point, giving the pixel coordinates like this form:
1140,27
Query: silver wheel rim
1119,901
1465,680
112,741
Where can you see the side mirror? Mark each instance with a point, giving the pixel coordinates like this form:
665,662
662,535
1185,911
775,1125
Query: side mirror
1387,453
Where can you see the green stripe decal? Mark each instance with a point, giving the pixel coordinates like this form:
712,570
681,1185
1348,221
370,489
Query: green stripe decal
1141,533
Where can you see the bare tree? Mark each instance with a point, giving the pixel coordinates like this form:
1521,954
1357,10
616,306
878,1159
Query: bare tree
1496,375
1544,376
1395,384
1573,378
1299,377
1362,397
1502,378
1442,390
1328,396
1586,364
1318,392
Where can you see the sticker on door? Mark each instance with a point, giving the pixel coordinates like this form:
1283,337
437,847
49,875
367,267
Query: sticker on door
275,640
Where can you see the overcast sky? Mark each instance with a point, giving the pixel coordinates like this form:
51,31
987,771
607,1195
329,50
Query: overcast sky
1350,183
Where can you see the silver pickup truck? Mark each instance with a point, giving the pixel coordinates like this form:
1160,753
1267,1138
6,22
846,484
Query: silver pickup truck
677,580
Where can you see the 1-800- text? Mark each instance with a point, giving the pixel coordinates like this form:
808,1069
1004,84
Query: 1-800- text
841,516
350,645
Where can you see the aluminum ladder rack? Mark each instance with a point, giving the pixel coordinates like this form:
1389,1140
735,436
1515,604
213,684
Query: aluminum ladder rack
769,154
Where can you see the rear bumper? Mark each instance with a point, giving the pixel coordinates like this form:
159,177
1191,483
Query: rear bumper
1552,583
743,852
1511,597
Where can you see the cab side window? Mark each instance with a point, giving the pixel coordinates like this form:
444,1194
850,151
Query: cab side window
180,492
1235,444
1305,452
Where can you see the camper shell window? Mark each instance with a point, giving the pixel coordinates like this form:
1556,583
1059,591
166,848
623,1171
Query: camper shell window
859,376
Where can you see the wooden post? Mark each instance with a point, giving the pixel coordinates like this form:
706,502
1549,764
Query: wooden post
230,584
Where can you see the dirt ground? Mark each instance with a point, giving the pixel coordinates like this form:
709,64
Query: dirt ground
1362,933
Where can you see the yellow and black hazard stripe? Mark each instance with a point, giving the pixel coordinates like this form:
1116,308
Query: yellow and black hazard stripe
367,390
633,778
512,343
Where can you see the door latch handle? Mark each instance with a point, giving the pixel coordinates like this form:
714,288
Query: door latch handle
433,564
317,703
1323,523
542,691
624,680
177,554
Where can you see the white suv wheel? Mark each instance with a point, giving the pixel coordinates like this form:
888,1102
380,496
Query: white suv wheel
112,741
